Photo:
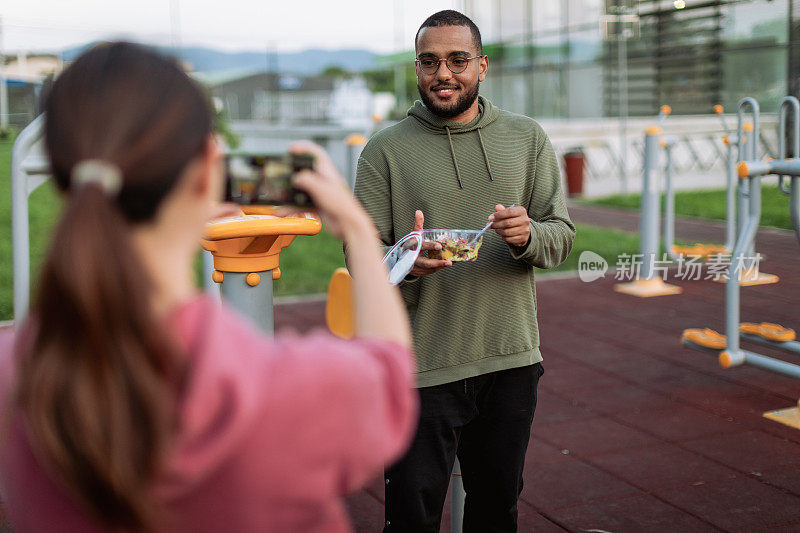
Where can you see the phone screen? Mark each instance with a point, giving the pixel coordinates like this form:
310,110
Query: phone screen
265,179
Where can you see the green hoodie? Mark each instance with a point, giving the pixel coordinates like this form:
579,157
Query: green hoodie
480,317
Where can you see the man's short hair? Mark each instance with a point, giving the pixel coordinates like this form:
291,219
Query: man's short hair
449,17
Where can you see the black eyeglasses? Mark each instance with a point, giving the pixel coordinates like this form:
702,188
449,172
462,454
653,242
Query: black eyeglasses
456,64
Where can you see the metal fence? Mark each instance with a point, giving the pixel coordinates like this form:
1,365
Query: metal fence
699,148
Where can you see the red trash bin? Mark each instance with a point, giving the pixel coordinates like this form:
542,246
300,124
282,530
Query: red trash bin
574,162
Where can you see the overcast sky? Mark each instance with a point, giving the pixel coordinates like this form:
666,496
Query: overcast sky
226,24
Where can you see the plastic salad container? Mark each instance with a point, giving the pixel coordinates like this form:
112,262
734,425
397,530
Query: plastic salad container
458,245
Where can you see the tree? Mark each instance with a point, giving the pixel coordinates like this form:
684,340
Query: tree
335,71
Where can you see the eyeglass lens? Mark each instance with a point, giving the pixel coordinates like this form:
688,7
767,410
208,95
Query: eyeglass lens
456,64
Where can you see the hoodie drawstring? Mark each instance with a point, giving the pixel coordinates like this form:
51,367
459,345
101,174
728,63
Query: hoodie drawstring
485,155
453,153
455,162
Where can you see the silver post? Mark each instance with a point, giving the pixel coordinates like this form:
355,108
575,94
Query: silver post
255,301
748,151
792,104
794,208
742,194
743,244
20,236
650,209
669,199
211,288
730,194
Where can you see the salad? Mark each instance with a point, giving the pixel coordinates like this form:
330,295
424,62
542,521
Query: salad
455,249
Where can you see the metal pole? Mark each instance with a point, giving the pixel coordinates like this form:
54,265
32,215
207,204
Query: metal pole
767,363
669,199
748,150
623,108
794,104
730,195
20,235
3,83
794,208
352,165
254,301
732,290
744,137
211,288
789,346
650,209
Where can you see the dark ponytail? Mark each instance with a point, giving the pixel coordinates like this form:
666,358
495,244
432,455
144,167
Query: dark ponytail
98,381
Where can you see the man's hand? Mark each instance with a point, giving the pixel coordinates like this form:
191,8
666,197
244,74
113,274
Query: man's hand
425,266
512,224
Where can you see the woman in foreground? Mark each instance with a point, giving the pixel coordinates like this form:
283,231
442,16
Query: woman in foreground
132,402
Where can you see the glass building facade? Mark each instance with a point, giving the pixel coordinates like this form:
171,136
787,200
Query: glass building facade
550,58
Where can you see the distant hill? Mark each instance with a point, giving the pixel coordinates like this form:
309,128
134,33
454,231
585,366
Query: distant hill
306,62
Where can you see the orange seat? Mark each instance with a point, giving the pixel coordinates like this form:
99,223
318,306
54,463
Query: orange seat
707,338
339,312
769,331
704,251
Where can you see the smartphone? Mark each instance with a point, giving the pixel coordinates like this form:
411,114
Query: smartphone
265,179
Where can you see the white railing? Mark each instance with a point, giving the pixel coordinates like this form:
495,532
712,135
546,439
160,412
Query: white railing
699,148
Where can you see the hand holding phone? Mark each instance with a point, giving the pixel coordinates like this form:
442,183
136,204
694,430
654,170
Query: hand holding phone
266,179
341,214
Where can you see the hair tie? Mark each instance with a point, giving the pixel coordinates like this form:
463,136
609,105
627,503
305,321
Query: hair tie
101,173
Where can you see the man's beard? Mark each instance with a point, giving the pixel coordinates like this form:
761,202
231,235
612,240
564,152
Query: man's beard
462,104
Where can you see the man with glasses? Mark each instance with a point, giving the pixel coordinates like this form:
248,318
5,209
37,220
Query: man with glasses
451,163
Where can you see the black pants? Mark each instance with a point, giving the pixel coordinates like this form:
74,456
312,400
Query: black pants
486,421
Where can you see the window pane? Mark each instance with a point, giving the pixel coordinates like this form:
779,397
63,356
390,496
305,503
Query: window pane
756,23
585,45
513,19
484,14
547,95
760,73
548,49
584,85
546,15
585,12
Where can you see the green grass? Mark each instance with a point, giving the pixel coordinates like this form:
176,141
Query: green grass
609,244
711,204
306,265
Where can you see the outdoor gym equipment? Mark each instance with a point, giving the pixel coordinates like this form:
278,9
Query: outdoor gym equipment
731,186
730,353
748,151
698,249
793,192
245,247
648,284
246,250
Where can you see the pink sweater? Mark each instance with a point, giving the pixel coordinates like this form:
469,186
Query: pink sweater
273,433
